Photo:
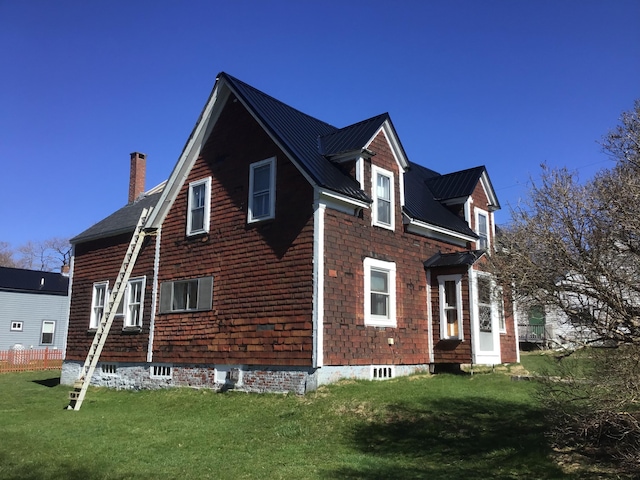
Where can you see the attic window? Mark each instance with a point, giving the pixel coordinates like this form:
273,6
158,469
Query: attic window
262,190
199,206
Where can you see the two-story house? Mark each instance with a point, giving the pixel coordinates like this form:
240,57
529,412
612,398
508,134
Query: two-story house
283,253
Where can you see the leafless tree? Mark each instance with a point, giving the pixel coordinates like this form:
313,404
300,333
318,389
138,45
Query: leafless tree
46,255
575,246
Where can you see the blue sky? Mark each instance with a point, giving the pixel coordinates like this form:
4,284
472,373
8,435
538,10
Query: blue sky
503,83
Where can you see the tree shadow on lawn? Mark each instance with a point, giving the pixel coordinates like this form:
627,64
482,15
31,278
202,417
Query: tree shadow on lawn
475,438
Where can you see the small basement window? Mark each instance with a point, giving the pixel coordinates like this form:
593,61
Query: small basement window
108,368
161,371
382,372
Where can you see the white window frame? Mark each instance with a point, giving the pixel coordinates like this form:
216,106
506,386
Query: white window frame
389,268
52,332
129,305
17,326
443,308
375,172
478,213
251,218
94,320
207,207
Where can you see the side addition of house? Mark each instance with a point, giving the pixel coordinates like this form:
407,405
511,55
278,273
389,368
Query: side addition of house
283,253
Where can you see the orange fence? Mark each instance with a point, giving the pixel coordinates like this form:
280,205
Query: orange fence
27,359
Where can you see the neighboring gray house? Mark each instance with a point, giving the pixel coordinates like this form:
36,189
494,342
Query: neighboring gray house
544,327
34,309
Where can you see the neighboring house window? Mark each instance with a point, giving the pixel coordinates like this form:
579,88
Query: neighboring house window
262,190
186,295
502,324
450,292
383,208
482,229
199,206
48,330
16,326
98,303
379,293
134,300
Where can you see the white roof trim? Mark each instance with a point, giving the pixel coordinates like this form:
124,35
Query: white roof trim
190,154
433,231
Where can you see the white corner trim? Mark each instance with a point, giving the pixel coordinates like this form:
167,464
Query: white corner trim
318,280
154,296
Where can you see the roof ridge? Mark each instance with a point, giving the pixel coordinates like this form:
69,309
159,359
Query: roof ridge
353,125
273,99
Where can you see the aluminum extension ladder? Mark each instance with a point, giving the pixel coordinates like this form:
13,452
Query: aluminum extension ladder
76,397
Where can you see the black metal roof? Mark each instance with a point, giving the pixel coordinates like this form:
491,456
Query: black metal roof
455,185
33,281
421,204
121,221
457,259
351,138
298,133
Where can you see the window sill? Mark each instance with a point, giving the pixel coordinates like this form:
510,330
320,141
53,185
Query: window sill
132,330
373,323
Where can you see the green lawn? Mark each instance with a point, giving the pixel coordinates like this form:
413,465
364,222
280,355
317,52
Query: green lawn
433,427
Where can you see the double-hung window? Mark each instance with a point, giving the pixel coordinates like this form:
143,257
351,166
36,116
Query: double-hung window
134,302
450,294
484,303
482,229
262,190
379,293
383,207
48,330
199,206
98,303
186,295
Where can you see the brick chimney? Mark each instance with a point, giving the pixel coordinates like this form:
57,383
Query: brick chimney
137,175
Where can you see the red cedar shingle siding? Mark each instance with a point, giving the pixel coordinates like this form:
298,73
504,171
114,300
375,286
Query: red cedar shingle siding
263,272
100,261
348,240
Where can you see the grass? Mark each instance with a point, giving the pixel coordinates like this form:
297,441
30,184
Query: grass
435,427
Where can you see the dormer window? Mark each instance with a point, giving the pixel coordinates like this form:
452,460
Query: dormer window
482,229
383,208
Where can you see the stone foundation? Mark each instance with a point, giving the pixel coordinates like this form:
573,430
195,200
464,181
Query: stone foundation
256,379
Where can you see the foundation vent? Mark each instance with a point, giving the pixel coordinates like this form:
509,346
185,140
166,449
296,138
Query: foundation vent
108,369
382,372
161,371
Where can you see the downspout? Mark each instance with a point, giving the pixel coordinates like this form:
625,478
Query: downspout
318,281
154,297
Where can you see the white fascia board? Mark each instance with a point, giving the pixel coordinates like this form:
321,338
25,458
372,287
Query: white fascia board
396,150
339,202
439,233
491,195
190,153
